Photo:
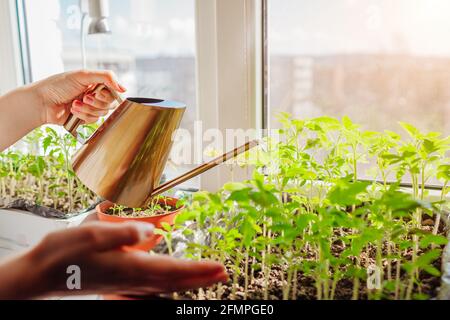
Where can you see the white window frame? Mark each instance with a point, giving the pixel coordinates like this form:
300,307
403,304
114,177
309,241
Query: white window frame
230,71
11,71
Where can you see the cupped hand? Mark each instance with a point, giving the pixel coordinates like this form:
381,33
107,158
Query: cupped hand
63,94
104,269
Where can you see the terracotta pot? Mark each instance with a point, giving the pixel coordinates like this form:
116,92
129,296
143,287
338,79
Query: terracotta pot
155,220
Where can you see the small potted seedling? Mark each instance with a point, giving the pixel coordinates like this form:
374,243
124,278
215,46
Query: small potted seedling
161,212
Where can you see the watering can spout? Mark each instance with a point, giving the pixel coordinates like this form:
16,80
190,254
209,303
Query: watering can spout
201,169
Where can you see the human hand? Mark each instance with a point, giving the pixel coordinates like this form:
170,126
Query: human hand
105,269
63,94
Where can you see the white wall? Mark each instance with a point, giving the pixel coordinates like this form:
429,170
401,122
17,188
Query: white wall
10,71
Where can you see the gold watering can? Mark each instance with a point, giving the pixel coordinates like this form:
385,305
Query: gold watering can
123,161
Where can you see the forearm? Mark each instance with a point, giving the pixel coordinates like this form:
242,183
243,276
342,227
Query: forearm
20,113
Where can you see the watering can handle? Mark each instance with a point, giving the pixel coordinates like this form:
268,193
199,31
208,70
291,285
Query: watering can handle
73,123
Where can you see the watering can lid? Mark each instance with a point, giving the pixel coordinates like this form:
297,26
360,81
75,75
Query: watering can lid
158,103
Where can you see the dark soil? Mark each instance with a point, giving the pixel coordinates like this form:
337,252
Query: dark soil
129,212
306,289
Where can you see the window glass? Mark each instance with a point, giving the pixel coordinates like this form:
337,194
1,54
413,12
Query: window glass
377,61
151,48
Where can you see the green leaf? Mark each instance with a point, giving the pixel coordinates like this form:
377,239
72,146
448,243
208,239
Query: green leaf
348,124
186,216
304,220
410,129
159,232
444,172
219,230
432,270
329,122
51,131
188,232
429,146
47,143
234,186
264,198
346,193
241,196
166,226
427,258
201,196
38,167
421,296
430,239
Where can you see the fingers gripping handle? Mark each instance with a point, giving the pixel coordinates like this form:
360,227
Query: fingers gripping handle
73,123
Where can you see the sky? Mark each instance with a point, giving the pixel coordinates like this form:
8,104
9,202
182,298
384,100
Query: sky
317,27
